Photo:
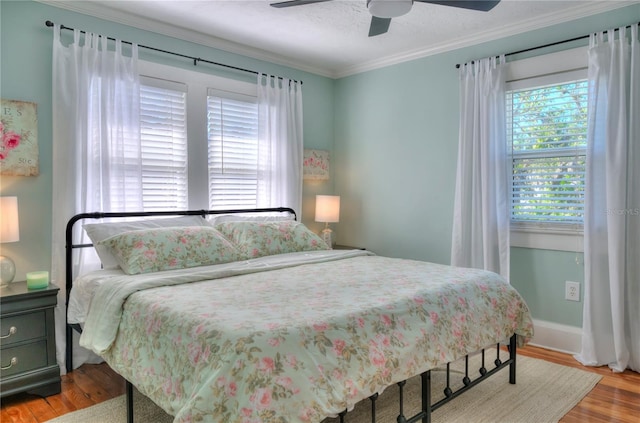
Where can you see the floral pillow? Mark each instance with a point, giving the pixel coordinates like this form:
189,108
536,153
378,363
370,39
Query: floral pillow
257,239
153,250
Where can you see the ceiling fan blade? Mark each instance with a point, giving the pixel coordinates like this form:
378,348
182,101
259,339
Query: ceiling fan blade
290,3
379,26
481,5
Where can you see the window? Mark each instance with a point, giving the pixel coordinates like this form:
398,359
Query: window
547,135
547,149
233,150
199,140
163,136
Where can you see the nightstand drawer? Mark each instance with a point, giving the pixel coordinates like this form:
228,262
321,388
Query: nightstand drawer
20,359
25,326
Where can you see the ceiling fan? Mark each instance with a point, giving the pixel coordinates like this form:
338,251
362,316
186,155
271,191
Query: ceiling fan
383,10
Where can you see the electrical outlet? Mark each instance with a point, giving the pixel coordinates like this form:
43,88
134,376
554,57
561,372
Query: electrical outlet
572,291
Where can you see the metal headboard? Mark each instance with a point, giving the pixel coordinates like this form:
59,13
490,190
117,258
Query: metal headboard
70,246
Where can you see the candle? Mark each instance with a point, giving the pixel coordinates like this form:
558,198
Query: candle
37,280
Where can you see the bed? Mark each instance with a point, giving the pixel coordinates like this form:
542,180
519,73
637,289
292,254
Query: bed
278,328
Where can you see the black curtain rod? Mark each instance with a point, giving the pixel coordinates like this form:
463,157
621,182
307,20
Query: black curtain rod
195,59
547,45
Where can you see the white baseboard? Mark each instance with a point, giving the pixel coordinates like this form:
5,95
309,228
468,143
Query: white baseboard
554,336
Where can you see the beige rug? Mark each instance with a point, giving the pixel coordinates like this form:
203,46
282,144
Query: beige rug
544,392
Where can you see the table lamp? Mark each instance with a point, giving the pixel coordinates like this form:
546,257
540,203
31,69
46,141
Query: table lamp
327,211
9,232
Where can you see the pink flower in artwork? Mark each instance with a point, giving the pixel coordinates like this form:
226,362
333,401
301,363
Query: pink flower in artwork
434,317
1,126
11,139
462,302
2,155
246,412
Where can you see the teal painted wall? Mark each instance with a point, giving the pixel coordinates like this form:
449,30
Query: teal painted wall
25,74
393,133
396,145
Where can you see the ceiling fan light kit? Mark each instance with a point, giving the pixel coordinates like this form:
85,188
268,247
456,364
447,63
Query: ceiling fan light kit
389,8
383,10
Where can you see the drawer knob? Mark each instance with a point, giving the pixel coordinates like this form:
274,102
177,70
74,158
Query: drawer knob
13,362
12,331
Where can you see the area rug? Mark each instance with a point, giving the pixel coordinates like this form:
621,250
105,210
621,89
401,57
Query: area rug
544,392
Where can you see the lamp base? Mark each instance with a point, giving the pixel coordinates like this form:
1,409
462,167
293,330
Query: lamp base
7,271
327,237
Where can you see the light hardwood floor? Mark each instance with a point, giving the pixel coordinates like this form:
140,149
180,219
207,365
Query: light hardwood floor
616,398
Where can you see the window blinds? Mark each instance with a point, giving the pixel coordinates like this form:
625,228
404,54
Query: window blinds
232,150
547,132
164,144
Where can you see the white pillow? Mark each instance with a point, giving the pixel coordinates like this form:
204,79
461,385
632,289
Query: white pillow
101,231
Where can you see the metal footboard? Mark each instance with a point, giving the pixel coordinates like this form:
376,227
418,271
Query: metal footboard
424,415
428,407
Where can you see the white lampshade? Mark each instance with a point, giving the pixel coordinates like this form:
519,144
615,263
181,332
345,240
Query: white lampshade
389,8
327,208
9,224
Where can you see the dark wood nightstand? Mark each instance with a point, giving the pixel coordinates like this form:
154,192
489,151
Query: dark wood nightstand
28,340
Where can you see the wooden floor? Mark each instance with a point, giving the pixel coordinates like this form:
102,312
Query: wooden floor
616,398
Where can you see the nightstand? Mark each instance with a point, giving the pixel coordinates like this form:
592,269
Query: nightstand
28,340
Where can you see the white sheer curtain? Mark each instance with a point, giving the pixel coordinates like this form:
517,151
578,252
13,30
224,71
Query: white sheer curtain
611,320
481,212
96,164
280,146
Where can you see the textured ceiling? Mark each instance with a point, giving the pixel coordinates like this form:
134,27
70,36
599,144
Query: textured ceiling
331,38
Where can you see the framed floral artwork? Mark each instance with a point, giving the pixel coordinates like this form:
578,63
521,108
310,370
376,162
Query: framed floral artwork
315,164
18,138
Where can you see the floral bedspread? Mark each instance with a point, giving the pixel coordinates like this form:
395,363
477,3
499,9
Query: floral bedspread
295,343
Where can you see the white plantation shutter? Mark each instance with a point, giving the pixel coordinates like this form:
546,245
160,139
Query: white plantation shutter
547,133
232,150
164,144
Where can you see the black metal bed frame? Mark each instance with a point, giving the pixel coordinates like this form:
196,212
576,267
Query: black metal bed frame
427,407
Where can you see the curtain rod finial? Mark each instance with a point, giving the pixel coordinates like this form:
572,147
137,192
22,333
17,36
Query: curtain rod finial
48,23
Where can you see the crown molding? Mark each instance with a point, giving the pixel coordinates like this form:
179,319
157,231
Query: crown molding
95,9
98,11
577,12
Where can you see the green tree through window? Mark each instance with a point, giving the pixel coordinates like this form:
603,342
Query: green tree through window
547,133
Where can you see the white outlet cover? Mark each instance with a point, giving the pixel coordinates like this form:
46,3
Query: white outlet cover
572,291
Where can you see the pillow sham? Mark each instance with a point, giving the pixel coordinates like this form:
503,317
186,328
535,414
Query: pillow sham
258,239
153,250
101,231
